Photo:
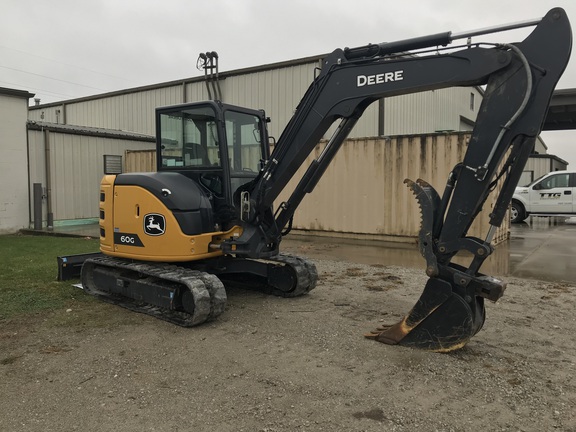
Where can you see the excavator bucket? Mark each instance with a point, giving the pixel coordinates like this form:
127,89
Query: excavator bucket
447,315
441,321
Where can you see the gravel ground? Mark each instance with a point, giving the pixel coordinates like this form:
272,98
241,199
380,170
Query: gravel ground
273,364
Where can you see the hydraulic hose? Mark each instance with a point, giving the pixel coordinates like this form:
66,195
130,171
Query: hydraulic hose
518,112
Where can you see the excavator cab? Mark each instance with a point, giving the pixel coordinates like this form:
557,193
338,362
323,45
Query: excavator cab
220,147
205,152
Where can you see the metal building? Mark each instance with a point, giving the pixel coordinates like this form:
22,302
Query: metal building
80,132
276,88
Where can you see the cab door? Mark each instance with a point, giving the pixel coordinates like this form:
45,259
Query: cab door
247,144
553,194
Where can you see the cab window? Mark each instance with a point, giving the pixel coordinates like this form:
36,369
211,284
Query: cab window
189,138
243,134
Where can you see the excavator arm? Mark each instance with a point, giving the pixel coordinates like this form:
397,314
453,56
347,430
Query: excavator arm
519,78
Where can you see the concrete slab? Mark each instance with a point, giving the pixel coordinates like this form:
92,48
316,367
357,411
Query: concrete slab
544,248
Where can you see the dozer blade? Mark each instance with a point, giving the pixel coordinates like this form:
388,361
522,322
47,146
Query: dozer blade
441,321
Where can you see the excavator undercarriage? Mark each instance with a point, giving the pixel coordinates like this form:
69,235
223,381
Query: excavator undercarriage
191,294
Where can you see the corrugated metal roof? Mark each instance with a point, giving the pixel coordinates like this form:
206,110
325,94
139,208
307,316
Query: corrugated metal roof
549,156
18,93
90,131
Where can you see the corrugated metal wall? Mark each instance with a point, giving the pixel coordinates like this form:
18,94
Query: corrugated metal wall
139,161
276,90
362,194
535,167
432,111
132,112
538,165
77,167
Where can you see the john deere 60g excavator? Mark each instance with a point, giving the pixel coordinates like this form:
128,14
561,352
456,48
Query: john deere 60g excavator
170,237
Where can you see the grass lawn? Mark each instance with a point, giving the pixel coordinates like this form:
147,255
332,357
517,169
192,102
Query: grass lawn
29,270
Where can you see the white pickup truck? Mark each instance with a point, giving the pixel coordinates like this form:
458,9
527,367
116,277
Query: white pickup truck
550,195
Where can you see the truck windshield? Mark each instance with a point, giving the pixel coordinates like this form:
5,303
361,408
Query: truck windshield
189,138
534,181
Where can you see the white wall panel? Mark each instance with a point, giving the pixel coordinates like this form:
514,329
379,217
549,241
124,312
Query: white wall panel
13,188
77,167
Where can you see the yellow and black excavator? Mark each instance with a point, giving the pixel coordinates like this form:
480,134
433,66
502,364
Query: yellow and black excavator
169,238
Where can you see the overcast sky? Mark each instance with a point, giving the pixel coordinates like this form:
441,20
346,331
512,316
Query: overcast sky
63,49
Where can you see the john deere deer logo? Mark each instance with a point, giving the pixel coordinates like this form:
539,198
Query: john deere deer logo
154,224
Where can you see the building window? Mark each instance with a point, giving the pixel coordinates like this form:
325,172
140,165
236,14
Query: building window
471,101
112,164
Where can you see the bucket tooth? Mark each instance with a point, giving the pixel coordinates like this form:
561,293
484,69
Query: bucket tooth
429,204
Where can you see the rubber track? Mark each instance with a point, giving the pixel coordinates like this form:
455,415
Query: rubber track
207,290
306,274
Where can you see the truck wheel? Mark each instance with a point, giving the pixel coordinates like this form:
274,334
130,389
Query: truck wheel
517,212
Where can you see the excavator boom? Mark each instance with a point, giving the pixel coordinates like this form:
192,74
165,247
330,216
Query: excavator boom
519,78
